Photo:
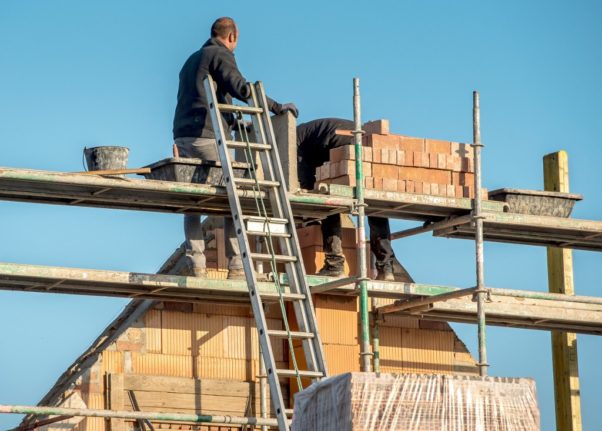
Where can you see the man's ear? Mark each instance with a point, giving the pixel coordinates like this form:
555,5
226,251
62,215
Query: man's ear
231,37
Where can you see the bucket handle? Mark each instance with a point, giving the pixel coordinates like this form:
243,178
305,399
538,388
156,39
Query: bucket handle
84,159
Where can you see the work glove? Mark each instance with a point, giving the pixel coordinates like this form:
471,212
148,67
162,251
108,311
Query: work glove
279,109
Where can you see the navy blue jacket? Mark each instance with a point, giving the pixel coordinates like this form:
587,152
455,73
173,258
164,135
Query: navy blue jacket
192,118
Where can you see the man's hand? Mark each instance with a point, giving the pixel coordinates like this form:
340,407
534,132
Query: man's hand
280,109
292,108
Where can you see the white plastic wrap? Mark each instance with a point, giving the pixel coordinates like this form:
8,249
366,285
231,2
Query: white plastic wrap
417,402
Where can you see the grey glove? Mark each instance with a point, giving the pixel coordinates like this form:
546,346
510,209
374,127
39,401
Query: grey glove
287,107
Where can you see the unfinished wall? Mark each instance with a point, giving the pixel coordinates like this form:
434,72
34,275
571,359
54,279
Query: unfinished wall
204,358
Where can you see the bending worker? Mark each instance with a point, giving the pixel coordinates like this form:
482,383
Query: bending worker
314,141
193,133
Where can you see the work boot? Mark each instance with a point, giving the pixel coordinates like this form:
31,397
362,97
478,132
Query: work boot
385,273
236,274
334,266
330,271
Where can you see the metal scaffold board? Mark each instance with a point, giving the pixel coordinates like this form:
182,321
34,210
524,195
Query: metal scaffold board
517,309
48,187
80,281
534,230
60,188
521,309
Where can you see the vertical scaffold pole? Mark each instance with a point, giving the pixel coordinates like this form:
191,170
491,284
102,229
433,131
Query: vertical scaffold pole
478,221
361,230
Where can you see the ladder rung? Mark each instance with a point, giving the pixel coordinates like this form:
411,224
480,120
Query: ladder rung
260,219
302,373
293,334
277,257
239,108
252,182
286,296
289,412
263,227
252,145
272,234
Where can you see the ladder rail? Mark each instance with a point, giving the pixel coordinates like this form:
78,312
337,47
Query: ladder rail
312,348
240,228
298,281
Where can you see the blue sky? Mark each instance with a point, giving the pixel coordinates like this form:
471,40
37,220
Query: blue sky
76,74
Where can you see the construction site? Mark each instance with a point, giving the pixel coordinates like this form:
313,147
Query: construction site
283,347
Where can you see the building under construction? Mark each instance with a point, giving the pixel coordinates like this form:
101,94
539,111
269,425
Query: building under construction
216,354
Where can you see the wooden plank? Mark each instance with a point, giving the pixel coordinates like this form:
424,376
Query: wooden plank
141,382
560,280
116,399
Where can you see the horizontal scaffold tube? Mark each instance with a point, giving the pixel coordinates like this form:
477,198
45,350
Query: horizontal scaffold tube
175,417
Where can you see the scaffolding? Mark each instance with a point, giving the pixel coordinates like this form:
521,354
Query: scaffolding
465,218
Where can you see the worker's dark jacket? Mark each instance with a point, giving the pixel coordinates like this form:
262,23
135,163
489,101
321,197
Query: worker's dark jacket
192,117
314,141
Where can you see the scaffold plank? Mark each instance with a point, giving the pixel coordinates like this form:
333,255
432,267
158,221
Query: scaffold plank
520,309
523,309
35,186
534,230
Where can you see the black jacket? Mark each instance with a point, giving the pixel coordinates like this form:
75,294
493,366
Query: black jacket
192,118
314,141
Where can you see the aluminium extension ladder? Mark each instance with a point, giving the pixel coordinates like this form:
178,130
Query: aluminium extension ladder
272,221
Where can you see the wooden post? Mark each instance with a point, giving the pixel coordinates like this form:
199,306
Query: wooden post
560,280
116,399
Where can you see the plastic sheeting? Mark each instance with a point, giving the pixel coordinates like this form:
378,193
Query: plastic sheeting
412,402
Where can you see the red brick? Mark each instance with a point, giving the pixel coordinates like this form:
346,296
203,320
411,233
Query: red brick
380,127
392,157
421,160
459,191
401,185
442,161
426,188
467,192
378,183
384,171
438,147
347,167
434,189
451,191
433,160
466,164
384,156
408,143
369,182
325,171
380,142
345,180
376,155
410,186
345,152
418,187
389,184
367,154
422,174
462,150
462,178
401,158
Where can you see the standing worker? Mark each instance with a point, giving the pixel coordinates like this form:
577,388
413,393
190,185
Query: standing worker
193,133
314,141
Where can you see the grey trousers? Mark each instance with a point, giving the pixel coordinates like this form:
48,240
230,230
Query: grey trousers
205,149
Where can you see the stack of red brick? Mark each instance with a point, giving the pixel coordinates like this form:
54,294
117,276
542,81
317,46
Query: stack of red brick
399,163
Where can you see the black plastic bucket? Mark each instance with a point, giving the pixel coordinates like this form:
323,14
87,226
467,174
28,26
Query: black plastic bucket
106,158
